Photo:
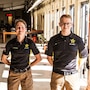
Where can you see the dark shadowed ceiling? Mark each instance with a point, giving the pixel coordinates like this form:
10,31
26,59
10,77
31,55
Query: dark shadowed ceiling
15,4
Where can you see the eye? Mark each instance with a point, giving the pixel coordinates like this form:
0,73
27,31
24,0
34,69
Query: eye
68,23
63,24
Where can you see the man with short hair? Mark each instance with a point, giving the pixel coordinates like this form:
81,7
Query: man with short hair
65,46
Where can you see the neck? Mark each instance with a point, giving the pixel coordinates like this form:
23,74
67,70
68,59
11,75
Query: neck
20,38
65,33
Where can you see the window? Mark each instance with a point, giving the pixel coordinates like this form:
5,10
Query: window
72,10
84,21
63,10
57,20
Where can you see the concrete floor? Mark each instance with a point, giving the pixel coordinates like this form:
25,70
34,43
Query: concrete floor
41,73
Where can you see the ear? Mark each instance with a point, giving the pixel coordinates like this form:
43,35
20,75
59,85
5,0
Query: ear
71,24
59,24
26,29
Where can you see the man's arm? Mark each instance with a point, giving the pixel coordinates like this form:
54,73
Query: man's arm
50,59
38,59
81,61
4,59
83,54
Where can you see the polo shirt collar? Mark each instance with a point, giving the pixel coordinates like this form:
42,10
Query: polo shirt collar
65,36
25,39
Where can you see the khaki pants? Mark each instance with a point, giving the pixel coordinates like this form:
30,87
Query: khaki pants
61,82
15,79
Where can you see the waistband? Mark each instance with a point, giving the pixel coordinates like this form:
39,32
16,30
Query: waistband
65,72
20,70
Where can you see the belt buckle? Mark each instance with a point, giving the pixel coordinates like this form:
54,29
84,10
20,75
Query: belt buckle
16,70
22,70
26,69
67,73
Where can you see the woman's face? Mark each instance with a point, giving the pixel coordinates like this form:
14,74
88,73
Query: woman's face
20,29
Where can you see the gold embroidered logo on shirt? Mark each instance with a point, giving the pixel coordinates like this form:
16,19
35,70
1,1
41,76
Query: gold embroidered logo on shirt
72,42
26,46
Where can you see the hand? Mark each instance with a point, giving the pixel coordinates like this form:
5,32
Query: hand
88,88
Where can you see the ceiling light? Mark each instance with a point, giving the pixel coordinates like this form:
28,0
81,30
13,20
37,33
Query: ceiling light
34,5
13,8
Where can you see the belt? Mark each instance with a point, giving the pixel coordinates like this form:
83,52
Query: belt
65,72
20,70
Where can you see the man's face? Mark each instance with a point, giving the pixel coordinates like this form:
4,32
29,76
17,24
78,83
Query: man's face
65,24
20,29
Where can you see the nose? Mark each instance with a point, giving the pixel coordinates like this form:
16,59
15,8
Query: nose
19,28
65,25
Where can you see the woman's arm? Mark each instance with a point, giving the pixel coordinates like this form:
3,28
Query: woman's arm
37,59
4,59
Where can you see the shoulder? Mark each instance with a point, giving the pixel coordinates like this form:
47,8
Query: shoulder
12,41
76,36
29,41
55,37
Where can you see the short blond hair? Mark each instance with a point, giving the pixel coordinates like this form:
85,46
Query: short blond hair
20,20
66,16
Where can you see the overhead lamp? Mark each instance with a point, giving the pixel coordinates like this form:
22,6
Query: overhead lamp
13,8
34,5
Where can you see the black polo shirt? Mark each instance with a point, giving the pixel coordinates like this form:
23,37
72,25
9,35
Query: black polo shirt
64,49
20,52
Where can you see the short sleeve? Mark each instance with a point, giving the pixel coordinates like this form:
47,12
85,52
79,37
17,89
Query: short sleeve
83,52
34,48
50,48
7,49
